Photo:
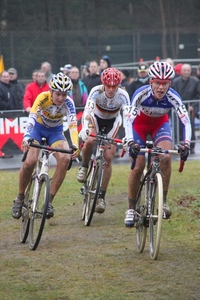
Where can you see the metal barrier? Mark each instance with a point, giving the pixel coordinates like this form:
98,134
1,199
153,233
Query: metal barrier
194,117
13,125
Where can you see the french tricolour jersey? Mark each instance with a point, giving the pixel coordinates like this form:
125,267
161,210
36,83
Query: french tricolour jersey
144,102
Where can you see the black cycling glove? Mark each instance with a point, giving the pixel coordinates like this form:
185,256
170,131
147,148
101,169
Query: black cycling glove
184,151
134,149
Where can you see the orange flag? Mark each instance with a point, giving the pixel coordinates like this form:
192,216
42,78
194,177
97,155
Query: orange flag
1,64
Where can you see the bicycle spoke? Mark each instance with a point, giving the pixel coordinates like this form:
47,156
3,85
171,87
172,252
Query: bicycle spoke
25,220
141,208
155,221
38,216
93,191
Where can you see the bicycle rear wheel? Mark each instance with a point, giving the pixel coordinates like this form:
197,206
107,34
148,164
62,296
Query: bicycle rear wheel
155,220
141,208
83,190
25,220
94,187
38,216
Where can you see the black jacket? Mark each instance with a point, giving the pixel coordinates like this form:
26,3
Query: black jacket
17,89
6,97
136,84
91,81
188,90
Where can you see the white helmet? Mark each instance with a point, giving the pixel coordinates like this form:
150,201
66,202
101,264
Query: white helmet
60,82
161,70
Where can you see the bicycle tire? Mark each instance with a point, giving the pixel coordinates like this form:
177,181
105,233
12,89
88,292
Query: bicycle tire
85,188
93,191
25,220
141,208
155,219
38,217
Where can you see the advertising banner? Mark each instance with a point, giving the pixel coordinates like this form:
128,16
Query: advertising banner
13,125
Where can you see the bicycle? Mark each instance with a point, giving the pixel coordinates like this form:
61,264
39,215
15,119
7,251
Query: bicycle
92,187
149,211
34,209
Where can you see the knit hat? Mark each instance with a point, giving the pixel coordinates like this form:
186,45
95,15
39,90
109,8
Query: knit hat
177,68
125,72
107,59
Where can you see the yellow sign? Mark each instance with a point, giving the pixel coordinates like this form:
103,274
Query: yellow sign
1,64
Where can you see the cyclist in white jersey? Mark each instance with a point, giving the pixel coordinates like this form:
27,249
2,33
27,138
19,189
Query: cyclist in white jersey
102,110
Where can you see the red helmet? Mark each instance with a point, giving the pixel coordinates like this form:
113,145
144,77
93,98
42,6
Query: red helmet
111,76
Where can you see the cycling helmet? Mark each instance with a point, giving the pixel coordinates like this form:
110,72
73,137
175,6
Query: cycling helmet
60,82
111,76
161,70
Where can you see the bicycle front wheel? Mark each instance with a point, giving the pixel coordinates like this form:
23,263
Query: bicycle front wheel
93,191
39,211
25,220
141,207
155,219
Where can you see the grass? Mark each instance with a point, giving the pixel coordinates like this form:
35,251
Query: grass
75,262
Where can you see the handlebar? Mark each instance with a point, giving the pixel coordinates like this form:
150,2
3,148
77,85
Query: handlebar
105,138
158,151
109,140
48,148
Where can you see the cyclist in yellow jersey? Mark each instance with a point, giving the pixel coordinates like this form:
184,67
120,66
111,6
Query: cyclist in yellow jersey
46,120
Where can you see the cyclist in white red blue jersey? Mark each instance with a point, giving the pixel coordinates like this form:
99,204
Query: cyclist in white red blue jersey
148,113
102,110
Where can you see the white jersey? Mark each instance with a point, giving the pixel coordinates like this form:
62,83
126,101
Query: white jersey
102,106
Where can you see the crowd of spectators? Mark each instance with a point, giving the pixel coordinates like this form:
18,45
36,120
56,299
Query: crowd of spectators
15,95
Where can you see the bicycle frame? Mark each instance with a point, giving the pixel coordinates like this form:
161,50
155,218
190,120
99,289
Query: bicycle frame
92,187
34,212
149,207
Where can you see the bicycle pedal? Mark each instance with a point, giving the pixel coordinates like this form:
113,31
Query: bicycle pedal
81,191
38,216
146,222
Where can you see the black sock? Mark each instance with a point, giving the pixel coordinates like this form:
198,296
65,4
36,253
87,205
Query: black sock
165,197
20,196
132,203
102,194
51,198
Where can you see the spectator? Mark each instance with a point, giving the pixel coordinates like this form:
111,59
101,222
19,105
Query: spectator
93,78
85,70
125,78
198,72
105,62
17,88
33,89
34,75
79,93
66,69
170,61
177,70
140,80
189,89
46,67
7,101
